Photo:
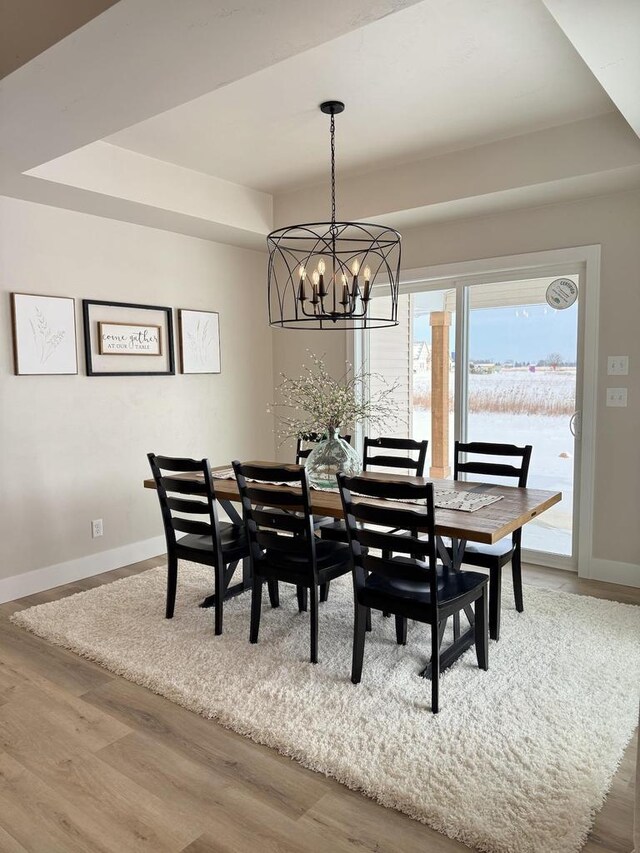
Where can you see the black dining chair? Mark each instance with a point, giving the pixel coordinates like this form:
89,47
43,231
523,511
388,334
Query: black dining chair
410,584
494,557
210,541
407,462
302,453
283,546
336,530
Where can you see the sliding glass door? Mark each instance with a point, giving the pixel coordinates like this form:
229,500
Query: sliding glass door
491,361
521,389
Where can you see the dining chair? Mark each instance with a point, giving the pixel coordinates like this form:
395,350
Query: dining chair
406,462
311,438
210,541
494,557
283,546
336,530
410,584
302,452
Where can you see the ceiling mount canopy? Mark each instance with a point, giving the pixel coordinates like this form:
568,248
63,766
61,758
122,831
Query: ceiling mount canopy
333,274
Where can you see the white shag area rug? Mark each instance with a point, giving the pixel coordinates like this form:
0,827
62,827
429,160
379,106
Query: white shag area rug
519,759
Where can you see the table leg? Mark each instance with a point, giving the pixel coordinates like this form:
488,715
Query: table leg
245,584
232,512
236,589
461,642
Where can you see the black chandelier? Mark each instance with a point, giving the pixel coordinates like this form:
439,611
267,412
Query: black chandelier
322,274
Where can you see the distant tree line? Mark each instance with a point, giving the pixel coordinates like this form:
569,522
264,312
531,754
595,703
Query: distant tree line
488,365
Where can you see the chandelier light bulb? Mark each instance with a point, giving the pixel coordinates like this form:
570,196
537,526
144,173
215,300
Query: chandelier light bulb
367,274
315,278
303,272
355,267
321,266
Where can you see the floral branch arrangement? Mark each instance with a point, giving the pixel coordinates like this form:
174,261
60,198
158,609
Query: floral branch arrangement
315,402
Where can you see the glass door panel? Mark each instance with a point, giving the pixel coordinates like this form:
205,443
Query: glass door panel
389,365
518,373
418,355
521,389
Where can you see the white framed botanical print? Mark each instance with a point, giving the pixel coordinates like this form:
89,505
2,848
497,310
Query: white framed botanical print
199,341
44,335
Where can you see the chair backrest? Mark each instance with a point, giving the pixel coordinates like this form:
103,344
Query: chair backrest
183,497
288,532
519,472
410,520
406,462
311,438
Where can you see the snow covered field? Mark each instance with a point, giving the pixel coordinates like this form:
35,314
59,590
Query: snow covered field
511,407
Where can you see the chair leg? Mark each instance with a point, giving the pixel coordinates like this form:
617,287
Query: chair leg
482,634
274,593
456,626
172,582
435,668
301,593
401,630
495,601
256,606
516,570
386,555
324,590
219,573
314,623
359,631
246,573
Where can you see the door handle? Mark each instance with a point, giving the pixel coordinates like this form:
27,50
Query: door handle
575,424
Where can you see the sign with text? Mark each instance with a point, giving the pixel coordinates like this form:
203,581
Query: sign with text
129,339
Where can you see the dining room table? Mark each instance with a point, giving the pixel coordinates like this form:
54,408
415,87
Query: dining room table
511,508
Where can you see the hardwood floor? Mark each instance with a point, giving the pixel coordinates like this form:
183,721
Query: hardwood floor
90,762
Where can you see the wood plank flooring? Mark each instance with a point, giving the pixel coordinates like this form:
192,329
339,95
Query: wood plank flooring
90,762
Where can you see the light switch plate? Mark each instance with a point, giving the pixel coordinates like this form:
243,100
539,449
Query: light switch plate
618,365
616,397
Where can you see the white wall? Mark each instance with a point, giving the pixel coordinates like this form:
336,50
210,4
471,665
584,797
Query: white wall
73,448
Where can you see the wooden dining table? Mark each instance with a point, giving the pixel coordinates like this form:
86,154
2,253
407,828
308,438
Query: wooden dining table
488,525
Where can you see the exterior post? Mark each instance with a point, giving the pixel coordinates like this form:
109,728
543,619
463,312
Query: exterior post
440,322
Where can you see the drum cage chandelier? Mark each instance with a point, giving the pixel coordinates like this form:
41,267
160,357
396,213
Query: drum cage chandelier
333,275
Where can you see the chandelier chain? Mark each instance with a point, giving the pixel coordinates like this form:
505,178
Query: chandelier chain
333,170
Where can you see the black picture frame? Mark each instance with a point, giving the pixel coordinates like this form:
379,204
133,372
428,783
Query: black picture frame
88,341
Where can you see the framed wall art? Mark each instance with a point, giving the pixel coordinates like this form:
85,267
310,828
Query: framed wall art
125,339
129,339
44,335
199,341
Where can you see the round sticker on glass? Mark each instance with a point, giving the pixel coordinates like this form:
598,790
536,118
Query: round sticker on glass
562,293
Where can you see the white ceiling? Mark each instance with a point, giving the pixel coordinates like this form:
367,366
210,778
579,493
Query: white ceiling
438,76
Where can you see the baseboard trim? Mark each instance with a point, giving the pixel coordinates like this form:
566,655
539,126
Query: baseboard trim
49,577
548,561
627,574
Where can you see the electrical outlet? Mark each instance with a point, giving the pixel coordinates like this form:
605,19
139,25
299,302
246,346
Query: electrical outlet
618,365
96,528
616,397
